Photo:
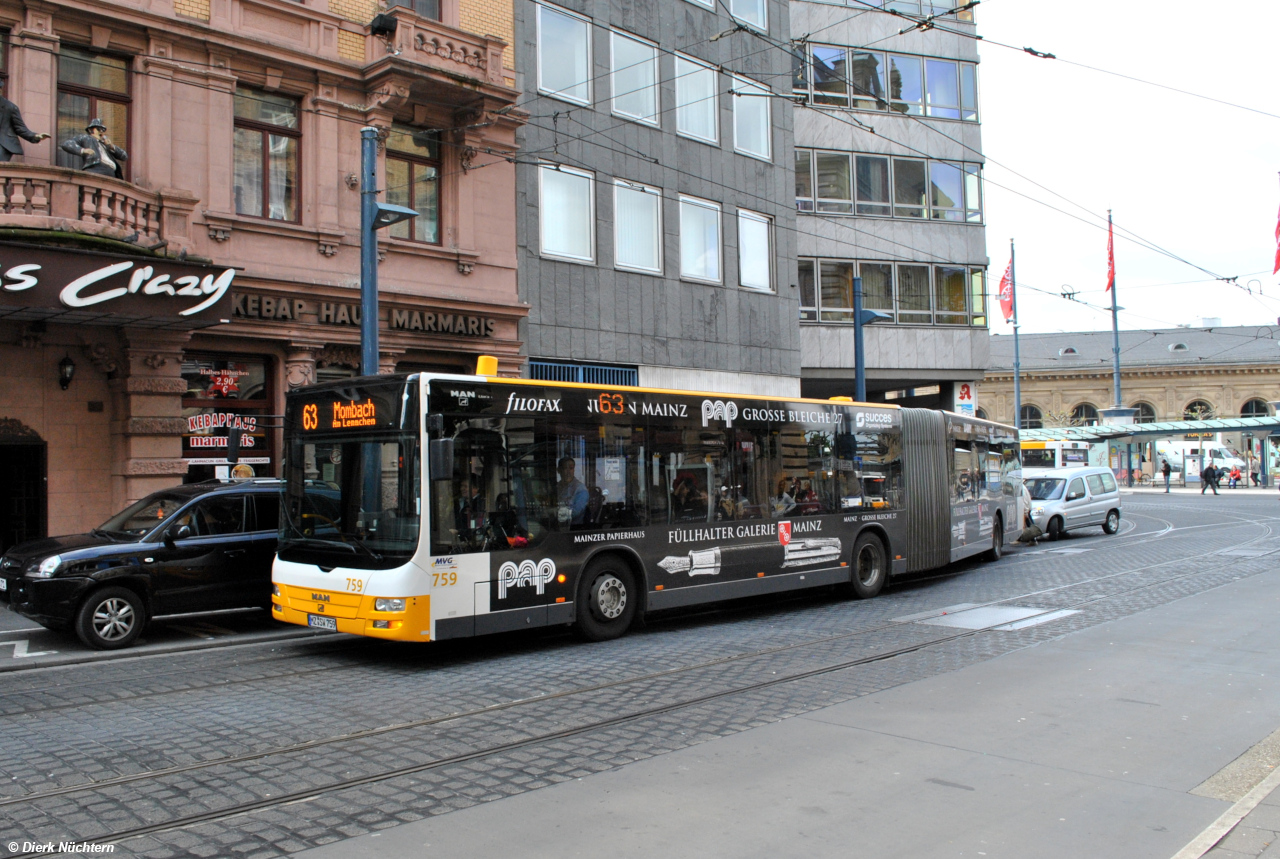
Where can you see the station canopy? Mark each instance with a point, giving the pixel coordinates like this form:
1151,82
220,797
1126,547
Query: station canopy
1101,432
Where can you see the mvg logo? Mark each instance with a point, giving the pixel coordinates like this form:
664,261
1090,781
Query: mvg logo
719,410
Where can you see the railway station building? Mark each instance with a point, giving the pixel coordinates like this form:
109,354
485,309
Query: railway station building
166,284
888,188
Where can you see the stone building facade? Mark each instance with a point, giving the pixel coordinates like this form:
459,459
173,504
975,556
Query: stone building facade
889,162
656,228
222,262
1166,375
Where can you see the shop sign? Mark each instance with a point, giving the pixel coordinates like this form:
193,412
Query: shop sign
253,306
205,441
40,277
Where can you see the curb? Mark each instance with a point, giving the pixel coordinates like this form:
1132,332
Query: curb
1216,831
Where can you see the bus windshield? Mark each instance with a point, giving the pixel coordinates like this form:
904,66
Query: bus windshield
351,502
1045,488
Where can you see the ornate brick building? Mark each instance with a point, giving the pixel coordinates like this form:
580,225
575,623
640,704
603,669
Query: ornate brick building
146,314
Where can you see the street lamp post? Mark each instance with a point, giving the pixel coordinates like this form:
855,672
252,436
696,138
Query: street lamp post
373,217
861,317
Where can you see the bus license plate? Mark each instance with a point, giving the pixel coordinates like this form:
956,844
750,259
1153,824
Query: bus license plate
318,621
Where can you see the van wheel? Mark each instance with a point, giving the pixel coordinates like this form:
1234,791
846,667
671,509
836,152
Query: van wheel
996,552
1054,530
110,619
869,568
606,600
1112,524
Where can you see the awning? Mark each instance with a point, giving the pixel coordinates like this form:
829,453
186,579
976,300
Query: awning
1261,425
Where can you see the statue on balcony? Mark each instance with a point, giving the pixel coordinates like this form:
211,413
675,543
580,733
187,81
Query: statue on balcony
100,155
11,128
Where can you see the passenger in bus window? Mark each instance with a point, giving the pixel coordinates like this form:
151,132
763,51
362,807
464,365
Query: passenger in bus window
687,500
783,503
573,495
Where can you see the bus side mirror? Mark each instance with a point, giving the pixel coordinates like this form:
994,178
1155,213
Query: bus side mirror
435,425
440,458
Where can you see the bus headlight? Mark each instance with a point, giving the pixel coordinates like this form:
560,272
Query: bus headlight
275,589
381,604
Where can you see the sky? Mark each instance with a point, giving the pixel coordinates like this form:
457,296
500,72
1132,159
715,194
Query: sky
1199,179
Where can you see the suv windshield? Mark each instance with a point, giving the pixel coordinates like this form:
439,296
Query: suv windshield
140,517
351,502
1045,488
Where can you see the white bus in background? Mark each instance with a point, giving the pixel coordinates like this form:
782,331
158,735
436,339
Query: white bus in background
1054,454
1176,452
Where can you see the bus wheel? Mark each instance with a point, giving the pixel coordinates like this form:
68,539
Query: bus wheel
1055,528
997,540
606,600
869,565
1112,524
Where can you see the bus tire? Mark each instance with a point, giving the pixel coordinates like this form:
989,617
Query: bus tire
1112,522
1054,528
996,552
870,567
606,599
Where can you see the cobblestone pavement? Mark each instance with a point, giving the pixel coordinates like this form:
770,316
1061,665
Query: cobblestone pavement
288,726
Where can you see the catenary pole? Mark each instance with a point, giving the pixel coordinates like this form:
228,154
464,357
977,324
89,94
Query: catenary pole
1115,326
368,252
1017,362
859,354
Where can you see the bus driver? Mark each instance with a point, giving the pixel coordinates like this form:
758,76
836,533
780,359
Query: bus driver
573,496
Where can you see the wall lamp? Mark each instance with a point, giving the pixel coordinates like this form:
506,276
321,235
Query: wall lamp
66,371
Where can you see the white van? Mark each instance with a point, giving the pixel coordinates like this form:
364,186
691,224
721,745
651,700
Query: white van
1065,499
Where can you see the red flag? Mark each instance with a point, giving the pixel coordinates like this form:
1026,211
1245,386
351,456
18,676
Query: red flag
1111,257
1006,292
1277,268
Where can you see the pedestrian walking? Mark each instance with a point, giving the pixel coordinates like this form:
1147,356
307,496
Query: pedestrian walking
1167,471
1209,479
1255,468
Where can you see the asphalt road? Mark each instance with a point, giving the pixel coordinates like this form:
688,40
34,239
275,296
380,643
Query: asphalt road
1070,700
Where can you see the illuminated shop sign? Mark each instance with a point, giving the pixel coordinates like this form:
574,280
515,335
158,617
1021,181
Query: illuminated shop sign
43,278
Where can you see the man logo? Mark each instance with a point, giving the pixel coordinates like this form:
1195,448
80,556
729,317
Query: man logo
719,410
528,573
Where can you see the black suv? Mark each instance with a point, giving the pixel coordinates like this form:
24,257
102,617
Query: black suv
199,547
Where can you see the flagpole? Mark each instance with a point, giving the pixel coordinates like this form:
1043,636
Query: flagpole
1017,362
1115,317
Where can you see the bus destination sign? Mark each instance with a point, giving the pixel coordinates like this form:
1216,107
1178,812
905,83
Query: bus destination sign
347,411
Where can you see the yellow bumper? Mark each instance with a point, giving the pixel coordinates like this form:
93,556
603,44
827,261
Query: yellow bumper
354,613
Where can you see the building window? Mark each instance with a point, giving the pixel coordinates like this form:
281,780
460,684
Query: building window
1084,415
1031,418
426,8
564,55
413,180
862,184
835,76
92,86
980,414
697,100
587,374
637,226
635,78
699,239
911,293
1144,413
1255,409
710,4
755,250
1199,410
752,12
752,126
567,212
221,390
266,155
4,64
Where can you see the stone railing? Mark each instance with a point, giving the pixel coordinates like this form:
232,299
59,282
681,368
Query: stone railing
56,198
436,45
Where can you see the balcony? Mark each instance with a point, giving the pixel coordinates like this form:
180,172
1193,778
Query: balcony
420,41
71,201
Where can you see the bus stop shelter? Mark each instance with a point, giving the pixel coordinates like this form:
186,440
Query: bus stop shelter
1130,435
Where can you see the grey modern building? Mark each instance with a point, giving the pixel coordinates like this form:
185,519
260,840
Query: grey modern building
889,188
656,221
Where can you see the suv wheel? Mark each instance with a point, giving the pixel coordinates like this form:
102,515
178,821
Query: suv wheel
110,618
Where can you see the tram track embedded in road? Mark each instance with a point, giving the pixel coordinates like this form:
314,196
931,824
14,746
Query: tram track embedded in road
184,821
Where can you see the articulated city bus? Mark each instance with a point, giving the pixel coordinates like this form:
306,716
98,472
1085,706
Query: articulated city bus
427,507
